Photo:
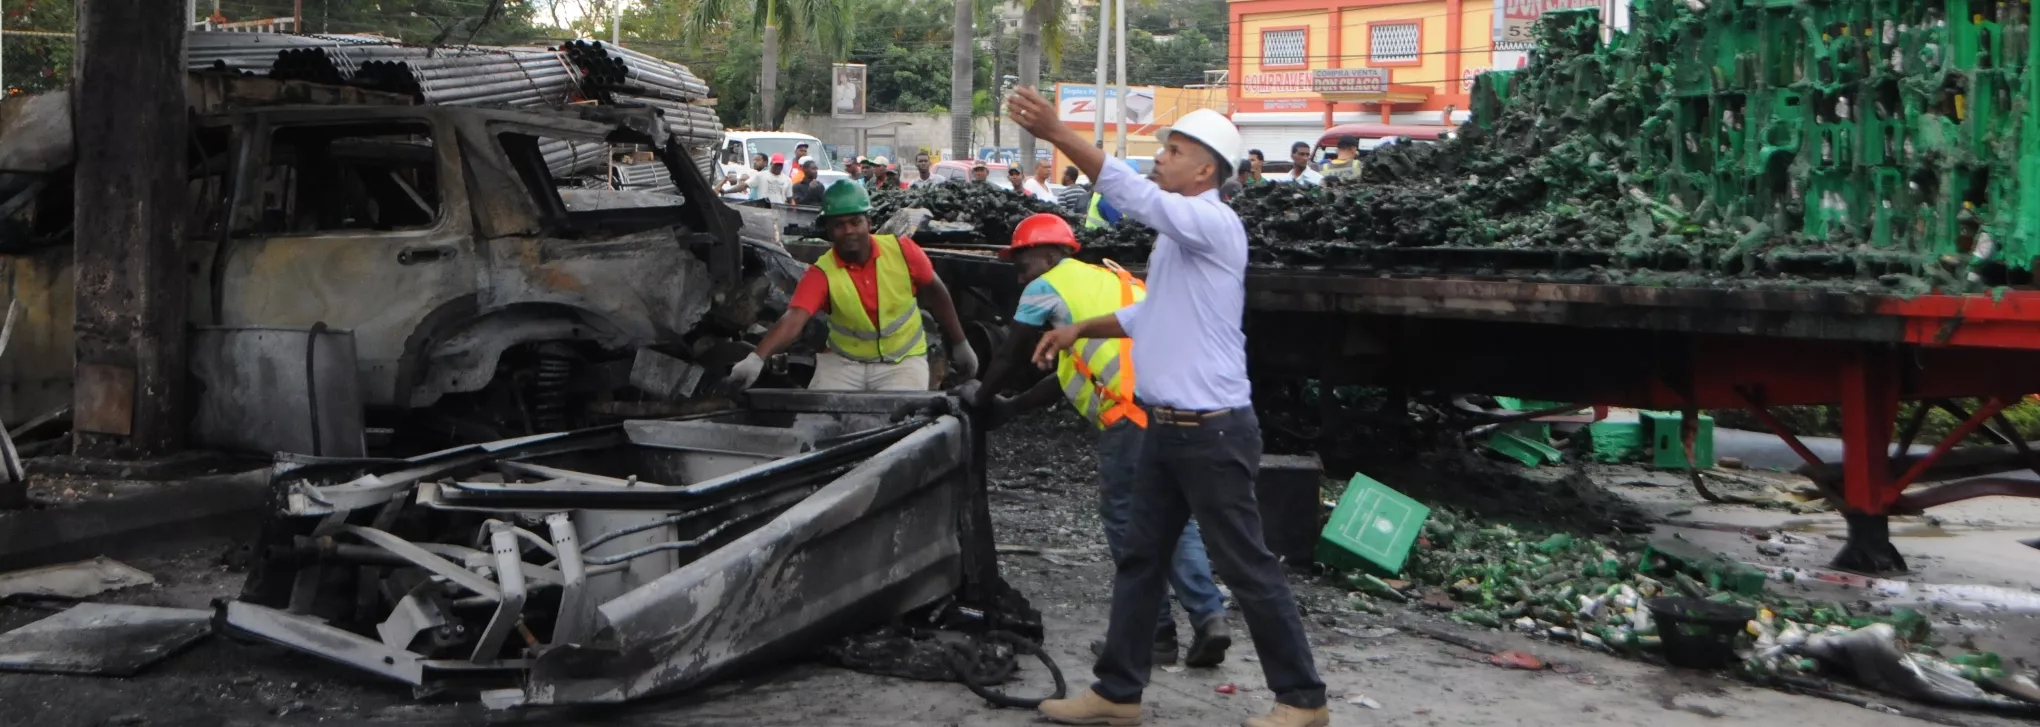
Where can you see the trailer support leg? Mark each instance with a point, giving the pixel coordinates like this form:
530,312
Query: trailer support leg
1869,394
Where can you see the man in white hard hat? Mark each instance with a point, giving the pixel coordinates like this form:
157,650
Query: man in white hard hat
1202,447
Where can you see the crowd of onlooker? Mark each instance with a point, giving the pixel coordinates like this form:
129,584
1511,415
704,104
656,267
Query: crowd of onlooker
770,179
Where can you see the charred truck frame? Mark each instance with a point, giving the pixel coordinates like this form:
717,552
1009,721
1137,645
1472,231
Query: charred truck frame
477,279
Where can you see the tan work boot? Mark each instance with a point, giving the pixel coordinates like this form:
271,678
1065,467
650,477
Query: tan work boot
1287,716
1089,708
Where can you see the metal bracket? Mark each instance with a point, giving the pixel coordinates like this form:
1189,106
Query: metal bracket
571,625
414,613
510,606
313,637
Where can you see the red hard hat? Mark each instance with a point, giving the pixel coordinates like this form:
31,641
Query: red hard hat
1042,229
779,159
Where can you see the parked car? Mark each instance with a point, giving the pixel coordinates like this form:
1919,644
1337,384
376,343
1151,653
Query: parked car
738,146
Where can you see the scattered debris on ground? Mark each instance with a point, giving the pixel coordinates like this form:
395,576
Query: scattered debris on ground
83,579
102,639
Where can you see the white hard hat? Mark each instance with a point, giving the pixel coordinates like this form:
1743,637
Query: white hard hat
881,161
804,161
1209,127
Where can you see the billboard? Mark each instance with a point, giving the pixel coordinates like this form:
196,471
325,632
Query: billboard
1514,20
847,90
1079,104
1349,80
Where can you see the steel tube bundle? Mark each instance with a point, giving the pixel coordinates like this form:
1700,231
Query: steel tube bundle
514,78
613,67
564,158
696,124
645,177
257,52
517,79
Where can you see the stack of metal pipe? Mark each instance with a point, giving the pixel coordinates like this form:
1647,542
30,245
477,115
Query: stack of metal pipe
489,77
568,158
644,177
618,69
256,52
692,125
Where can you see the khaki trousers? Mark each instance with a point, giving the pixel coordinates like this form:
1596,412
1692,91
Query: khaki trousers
833,372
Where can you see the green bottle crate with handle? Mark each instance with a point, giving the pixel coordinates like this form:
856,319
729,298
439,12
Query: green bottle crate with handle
1372,528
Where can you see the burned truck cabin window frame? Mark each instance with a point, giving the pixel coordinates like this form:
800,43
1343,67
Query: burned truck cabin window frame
349,178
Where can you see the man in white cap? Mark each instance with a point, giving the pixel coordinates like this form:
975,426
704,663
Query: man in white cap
1202,447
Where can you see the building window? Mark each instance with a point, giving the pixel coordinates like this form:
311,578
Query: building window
1397,42
1284,47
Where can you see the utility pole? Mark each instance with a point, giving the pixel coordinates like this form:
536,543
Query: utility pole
962,80
1120,5
128,98
1104,53
616,26
998,114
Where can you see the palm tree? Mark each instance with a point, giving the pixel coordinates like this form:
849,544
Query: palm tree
962,73
1041,28
830,24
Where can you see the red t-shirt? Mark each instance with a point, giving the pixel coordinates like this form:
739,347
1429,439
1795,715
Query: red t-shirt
813,293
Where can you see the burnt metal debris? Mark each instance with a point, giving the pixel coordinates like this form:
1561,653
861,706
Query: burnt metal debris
989,212
614,563
516,77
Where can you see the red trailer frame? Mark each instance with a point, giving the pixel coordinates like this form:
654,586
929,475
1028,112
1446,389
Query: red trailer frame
1691,349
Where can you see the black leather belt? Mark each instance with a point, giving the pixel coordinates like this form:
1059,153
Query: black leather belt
1183,417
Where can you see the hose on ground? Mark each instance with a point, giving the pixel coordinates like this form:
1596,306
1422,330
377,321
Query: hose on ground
964,663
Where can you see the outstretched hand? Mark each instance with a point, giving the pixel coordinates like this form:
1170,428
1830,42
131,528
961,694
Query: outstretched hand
1032,112
1052,344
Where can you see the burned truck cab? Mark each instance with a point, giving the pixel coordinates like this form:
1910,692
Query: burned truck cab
481,260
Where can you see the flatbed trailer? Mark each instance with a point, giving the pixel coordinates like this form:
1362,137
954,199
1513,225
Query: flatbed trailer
1663,348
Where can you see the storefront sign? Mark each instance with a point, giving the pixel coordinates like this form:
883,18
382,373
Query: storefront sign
1466,78
1515,19
1349,80
1280,82
1078,104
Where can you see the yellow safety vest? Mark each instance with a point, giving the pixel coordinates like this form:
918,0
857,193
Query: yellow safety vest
1097,373
1095,219
852,332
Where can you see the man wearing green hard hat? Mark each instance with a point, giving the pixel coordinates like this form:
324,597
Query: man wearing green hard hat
872,287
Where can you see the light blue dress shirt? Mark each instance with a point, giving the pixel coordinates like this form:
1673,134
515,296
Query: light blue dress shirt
1190,352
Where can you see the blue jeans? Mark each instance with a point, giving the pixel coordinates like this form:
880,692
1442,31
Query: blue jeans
1190,572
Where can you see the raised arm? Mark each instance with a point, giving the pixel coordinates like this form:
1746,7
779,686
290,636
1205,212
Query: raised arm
1196,223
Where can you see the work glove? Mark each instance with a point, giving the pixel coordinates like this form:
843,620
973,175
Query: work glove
996,414
965,359
744,374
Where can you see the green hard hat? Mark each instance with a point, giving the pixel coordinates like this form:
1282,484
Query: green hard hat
845,197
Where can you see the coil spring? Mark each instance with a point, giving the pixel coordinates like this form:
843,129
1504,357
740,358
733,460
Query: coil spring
549,400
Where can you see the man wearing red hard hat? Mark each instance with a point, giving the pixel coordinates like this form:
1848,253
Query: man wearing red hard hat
1097,377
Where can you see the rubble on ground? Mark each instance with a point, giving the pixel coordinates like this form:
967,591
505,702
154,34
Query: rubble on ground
1597,592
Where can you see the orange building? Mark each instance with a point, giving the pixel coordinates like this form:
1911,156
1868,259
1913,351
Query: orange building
1300,66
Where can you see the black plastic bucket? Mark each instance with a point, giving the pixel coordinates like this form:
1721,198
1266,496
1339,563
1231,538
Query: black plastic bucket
1697,633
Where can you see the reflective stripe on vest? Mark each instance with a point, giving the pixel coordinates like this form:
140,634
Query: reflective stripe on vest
852,332
1097,373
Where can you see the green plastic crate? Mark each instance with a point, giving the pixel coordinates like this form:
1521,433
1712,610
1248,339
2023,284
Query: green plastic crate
1668,451
1612,442
1515,404
1372,529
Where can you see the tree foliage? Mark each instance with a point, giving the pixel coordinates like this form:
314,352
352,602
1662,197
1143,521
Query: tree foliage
34,63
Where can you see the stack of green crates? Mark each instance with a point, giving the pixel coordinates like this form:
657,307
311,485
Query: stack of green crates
1883,127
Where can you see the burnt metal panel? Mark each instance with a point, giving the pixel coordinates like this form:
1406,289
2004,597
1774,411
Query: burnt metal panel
879,540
